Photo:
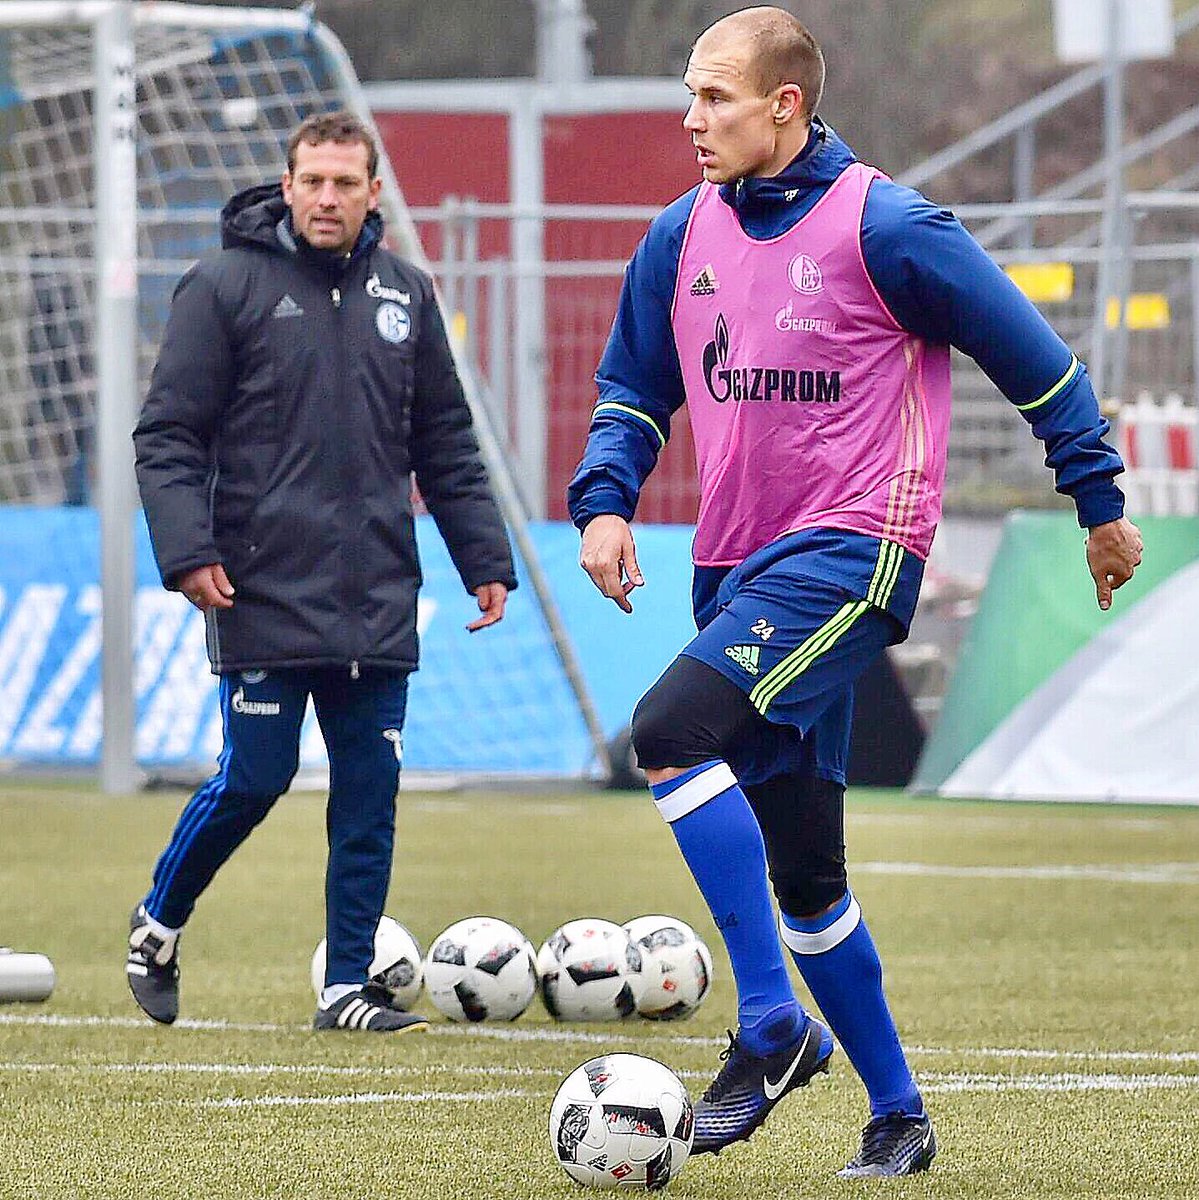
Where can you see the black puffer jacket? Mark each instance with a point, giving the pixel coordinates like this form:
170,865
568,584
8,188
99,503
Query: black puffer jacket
292,396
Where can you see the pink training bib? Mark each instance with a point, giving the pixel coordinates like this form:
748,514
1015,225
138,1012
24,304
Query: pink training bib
810,405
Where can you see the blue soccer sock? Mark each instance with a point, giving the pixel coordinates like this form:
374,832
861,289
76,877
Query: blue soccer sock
720,840
837,958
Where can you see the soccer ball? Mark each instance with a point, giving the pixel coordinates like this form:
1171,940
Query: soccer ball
622,1121
675,964
481,969
589,971
395,969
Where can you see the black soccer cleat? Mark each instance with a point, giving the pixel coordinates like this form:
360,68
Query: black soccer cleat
741,1097
893,1144
152,969
356,1011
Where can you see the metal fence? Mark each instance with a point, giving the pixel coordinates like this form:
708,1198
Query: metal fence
1149,322
533,293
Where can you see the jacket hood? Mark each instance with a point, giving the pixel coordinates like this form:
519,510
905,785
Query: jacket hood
259,216
817,165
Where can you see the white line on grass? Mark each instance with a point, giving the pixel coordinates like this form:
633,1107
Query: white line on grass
255,1069
1162,1056
243,1070
506,1033
139,1023
930,1081
934,1081
366,1098
1179,872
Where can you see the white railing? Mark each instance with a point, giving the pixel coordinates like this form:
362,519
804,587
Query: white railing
1157,442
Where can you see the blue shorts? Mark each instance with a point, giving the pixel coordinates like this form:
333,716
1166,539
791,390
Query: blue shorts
794,644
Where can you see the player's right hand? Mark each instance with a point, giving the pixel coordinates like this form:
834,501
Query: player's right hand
1113,554
207,587
610,558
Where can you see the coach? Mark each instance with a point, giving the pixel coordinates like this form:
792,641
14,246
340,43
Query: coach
304,376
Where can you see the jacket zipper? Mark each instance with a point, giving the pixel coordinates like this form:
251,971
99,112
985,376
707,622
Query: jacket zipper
335,296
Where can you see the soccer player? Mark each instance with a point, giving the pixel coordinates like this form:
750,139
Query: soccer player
802,305
303,377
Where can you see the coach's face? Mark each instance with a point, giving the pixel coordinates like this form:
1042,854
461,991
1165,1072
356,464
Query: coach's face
734,128
330,193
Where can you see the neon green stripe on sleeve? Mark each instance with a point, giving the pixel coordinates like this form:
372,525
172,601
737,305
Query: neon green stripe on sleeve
612,406
1053,391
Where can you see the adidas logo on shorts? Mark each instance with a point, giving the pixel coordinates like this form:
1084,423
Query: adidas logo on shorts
746,657
705,283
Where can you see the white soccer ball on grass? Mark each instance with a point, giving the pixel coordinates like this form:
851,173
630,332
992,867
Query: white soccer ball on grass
675,965
622,1121
395,969
481,969
589,971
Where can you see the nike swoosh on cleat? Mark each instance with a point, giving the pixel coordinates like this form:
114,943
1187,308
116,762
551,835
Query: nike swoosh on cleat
775,1090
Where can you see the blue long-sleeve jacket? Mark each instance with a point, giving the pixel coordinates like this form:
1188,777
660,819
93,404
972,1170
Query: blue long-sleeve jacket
932,275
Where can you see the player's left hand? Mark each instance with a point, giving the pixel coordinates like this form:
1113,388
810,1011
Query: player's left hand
1113,553
491,597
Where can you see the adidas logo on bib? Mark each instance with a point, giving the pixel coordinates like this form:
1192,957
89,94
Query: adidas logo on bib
746,657
705,283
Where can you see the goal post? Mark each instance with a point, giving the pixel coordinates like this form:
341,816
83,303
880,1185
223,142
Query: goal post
123,130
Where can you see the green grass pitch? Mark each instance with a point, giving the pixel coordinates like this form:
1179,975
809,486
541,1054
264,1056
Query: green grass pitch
1042,961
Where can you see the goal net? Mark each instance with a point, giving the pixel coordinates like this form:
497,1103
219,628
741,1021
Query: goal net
215,93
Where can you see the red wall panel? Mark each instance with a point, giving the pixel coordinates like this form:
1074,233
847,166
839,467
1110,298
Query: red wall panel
641,158
607,158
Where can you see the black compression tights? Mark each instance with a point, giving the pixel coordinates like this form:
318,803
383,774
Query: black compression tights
692,715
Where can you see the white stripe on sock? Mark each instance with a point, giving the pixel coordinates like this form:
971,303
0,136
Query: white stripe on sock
696,791
164,932
334,992
823,939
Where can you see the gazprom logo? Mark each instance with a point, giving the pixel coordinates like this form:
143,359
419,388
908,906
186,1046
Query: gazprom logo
805,276
254,708
716,354
785,321
762,385
376,288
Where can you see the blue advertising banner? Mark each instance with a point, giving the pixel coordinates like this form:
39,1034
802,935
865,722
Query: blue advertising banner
496,702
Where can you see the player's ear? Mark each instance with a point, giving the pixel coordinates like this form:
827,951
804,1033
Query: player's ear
376,188
787,104
286,181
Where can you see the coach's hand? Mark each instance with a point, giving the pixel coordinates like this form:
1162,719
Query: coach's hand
207,587
491,597
1113,554
610,558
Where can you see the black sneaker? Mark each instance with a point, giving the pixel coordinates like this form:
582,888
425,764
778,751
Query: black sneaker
893,1144
152,969
740,1098
355,1011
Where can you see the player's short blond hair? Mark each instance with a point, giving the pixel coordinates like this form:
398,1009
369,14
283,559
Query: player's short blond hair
781,50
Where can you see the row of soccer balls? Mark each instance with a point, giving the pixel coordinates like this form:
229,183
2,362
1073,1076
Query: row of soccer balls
483,969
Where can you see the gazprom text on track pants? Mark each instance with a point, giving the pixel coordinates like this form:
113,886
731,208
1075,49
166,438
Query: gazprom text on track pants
262,712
